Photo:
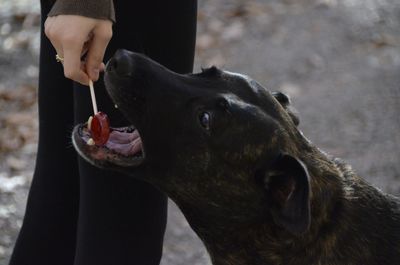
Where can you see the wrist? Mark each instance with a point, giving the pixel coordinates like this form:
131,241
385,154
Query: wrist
98,9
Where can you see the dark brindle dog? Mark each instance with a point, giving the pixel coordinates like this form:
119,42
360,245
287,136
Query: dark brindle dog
229,153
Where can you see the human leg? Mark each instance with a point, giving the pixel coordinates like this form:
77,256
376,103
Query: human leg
122,220
48,233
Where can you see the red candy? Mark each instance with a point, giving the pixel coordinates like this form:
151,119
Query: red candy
100,128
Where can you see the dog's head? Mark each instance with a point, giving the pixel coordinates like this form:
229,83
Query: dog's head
218,143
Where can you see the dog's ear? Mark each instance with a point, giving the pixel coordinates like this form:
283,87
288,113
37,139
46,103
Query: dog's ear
284,100
288,189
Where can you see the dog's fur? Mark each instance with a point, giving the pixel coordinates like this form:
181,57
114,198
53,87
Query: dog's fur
253,188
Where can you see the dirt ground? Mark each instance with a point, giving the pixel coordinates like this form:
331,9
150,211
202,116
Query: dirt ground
338,60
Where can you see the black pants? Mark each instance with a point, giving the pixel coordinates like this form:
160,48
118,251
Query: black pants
78,214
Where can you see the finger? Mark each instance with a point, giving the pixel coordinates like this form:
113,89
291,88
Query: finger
102,67
83,66
73,65
96,52
85,49
59,51
89,37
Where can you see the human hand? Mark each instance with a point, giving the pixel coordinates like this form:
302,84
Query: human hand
74,36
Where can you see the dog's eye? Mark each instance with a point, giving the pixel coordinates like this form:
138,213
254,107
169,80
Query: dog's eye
205,120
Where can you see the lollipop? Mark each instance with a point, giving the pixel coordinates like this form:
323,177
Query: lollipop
99,128
99,124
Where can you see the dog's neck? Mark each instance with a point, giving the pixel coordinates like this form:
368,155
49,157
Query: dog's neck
257,242
263,243
245,248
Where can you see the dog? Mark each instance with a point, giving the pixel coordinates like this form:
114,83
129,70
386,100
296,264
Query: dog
231,156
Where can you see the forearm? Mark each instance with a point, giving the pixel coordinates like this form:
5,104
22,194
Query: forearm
100,9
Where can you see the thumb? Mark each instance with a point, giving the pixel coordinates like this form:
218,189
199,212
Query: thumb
96,52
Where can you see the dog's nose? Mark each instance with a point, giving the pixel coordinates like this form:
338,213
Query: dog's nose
121,63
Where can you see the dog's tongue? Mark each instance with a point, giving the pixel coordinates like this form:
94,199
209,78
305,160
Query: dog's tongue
123,137
125,143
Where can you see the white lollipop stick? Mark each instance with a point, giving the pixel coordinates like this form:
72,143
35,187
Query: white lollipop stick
93,97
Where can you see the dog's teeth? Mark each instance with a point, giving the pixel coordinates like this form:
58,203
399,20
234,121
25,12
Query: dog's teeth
90,141
89,122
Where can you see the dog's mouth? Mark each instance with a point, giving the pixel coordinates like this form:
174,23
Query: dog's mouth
123,148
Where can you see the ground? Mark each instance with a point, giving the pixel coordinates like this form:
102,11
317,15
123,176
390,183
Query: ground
338,60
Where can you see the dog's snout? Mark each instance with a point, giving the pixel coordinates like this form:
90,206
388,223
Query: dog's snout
121,63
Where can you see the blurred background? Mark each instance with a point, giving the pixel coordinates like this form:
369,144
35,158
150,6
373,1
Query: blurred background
339,60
